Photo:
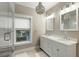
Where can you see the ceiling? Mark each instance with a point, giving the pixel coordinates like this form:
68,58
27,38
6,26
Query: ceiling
47,5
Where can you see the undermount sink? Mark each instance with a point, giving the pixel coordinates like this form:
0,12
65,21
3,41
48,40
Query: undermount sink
62,40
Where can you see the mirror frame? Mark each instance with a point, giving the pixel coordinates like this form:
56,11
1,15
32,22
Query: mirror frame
65,11
50,17
47,28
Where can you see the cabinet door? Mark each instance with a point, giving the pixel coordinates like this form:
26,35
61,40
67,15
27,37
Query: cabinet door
44,44
51,48
60,50
47,46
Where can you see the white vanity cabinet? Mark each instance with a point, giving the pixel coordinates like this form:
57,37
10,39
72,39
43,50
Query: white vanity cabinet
44,45
57,49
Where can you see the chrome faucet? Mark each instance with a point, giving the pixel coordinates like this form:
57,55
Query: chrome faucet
66,37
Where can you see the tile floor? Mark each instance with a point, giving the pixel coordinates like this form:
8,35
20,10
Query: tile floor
36,52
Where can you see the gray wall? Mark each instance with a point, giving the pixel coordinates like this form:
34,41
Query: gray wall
56,30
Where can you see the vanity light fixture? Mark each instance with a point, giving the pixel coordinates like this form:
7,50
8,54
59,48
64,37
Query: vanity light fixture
40,9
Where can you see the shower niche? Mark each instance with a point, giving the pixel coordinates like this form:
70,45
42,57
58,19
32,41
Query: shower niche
23,29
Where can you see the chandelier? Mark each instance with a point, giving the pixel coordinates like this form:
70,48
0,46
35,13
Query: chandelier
40,9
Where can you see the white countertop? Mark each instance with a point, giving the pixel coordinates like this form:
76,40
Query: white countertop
60,40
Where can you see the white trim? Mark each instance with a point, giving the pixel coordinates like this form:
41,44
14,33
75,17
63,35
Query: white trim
77,19
23,16
69,30
21,43
12,5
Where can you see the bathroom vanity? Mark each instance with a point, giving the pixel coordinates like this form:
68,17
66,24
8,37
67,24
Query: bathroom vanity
58,47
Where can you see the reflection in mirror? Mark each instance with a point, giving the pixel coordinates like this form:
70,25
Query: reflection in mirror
49,22
69,21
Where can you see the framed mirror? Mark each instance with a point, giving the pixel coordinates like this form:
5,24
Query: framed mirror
69,21
49,22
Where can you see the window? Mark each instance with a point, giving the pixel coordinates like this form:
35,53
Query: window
22,35
23,30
